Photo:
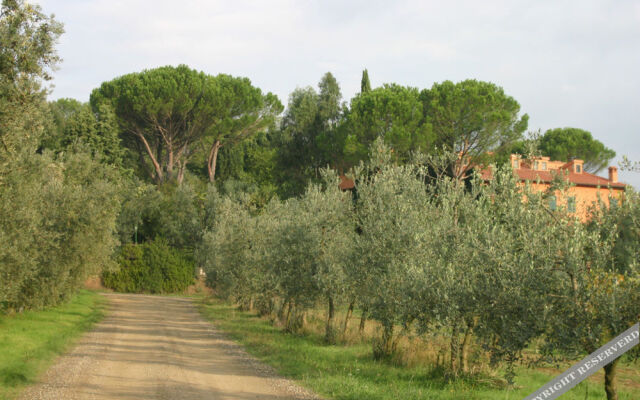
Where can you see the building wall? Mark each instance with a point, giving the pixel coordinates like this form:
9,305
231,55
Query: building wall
586,196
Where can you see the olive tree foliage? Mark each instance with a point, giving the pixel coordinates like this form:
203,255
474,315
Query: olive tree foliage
57,212
172,212
315,241
499,251
27,57
57,227
290,254
596,287
483,263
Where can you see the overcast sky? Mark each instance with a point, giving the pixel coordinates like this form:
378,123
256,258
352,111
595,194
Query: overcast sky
568,63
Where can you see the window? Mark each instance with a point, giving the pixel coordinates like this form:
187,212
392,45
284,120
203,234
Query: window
544,166
552,203
578,168
535,165
516,164
571,204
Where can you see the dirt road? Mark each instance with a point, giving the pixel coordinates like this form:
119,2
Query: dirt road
152,347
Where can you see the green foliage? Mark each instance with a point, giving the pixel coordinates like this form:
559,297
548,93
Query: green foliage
468,262
173,212
392,112
57,219
243,111
27,55
151,267
162,112
471,118
75,124
311,135
365,84
57,212
565,144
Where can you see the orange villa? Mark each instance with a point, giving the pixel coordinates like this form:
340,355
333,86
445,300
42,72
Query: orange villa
586,188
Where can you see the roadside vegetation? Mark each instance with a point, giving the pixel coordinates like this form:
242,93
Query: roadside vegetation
499,280
30,341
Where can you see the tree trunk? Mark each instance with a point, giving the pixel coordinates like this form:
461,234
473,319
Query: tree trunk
288,319
346,320
466,344
330,334
154,161
385,346
170,162
610,379
212,160
363,320
181,169
455,348
282,309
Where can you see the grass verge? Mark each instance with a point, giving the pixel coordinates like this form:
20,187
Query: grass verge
349,372
29,342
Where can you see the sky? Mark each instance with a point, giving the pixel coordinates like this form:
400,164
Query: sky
568,63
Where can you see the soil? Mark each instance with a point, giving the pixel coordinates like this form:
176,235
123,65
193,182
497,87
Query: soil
151,347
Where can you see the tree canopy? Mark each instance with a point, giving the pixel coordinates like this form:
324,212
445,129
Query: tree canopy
472,118
27,56
242,111
392,112
365,84
568,143
161,112
310,132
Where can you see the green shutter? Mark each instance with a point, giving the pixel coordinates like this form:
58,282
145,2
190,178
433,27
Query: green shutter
552,203
571,204
613,202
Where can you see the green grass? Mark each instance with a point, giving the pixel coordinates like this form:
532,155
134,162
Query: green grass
349,372
29,342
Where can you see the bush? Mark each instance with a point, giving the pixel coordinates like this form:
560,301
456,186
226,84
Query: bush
57,225
152,267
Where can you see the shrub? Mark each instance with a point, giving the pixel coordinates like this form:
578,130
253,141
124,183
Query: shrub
152,267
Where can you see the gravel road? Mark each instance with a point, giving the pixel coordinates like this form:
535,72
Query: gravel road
151,347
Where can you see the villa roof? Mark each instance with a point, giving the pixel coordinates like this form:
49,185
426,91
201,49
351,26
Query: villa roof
581,179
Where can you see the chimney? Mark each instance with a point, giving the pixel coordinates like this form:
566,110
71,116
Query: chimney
613,174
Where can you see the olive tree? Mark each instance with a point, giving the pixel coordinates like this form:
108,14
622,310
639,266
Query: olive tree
597,283
393,215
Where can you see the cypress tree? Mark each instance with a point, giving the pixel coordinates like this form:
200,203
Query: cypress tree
365,85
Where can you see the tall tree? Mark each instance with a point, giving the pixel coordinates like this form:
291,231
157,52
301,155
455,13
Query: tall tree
570,143
365,85
75,124
27,56
472,118
392,112
242,112
162,112
311,132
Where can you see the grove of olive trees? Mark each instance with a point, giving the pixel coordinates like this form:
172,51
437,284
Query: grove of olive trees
472,263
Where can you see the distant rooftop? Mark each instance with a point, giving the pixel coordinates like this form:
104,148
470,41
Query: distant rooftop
543,169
